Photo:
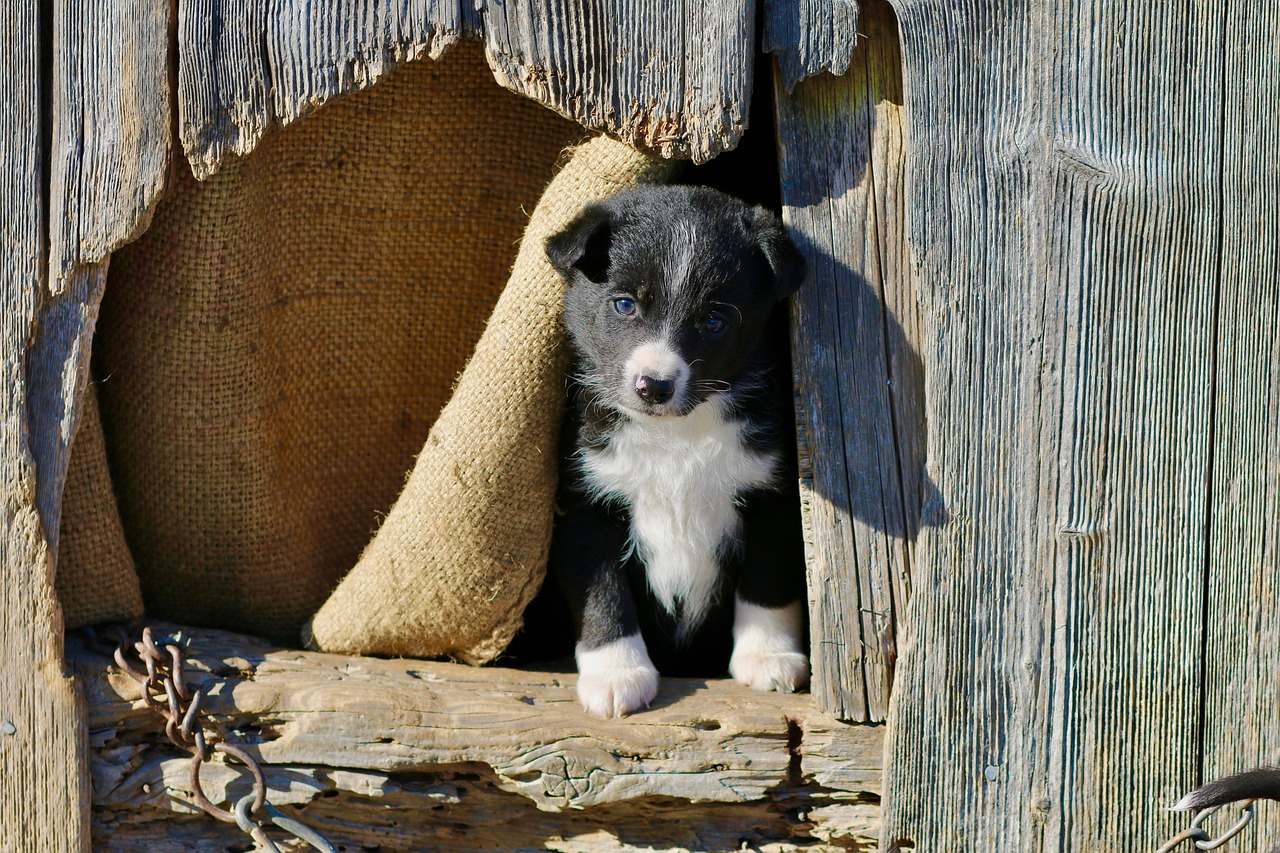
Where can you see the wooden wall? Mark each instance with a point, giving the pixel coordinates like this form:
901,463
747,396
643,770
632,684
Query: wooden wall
1092,227
1239,721
1040,358
44,789
858,380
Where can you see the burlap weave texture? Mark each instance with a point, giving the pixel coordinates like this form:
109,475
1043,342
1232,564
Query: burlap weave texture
274,350
96,581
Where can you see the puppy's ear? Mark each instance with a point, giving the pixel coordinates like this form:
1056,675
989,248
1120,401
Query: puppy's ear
783,257
584,245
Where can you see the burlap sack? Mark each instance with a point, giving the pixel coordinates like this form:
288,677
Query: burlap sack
274,350
464,549
95,581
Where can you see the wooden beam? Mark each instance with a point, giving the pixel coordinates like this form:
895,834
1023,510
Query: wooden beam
44,790
858,381
1242,670
1064,171
359,728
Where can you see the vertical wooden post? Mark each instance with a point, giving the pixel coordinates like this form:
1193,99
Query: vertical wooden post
44,786
1064,166
1241,723
100,77
857,371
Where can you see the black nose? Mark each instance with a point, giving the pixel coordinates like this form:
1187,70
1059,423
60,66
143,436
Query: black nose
655,390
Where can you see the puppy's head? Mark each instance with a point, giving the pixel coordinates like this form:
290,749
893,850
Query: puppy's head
669,291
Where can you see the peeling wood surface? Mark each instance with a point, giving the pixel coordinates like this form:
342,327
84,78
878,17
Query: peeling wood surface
1065,170
110,152
1242,663
809,37
674,78
247,68
44,788
349,729
463,810
675,81
858,381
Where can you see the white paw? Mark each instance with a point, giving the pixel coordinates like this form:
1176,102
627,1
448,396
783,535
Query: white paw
785,672
767,647
617,678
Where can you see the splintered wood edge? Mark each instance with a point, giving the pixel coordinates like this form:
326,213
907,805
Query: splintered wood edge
701,741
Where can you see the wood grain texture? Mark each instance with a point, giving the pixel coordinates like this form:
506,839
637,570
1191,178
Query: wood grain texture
1064,171
44,791
1242,666
670,78
809,37
462,810
858,383
58,368
110,152
363,727
246,68
674,81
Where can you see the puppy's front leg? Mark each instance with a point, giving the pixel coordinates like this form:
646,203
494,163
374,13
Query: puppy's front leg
615,674
769,616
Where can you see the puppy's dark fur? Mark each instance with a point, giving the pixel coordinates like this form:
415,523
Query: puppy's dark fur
1261,783
681,525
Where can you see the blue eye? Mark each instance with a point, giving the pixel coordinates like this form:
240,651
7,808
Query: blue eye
713,324
624,306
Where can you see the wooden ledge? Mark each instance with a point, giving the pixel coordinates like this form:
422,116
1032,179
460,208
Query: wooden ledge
331,725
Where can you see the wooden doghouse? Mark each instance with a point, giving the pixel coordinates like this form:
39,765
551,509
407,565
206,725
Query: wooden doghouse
1038,388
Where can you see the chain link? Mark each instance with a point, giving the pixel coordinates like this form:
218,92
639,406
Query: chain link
160,671
1203,840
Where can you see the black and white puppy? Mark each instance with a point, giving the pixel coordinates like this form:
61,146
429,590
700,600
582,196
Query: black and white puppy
681,520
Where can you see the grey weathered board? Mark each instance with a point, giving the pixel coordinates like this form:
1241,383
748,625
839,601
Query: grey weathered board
809,37
245,68
110,146
677,81
674,78
44,787
858,385
360,744
1071,226
1241,717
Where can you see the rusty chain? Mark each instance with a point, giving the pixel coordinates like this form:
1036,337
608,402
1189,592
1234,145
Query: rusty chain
162,679
1203,840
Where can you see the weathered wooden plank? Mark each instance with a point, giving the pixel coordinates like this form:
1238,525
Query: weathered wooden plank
349,736
704,741
809,37
674,81
462,810
58,367
859,388
44,791
246,68
1064,173
671,78
1242,667
110,152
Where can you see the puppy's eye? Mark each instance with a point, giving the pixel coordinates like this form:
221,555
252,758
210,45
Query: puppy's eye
713,324
625,306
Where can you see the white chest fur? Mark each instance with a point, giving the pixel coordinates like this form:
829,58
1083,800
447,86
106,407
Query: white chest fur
681,478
